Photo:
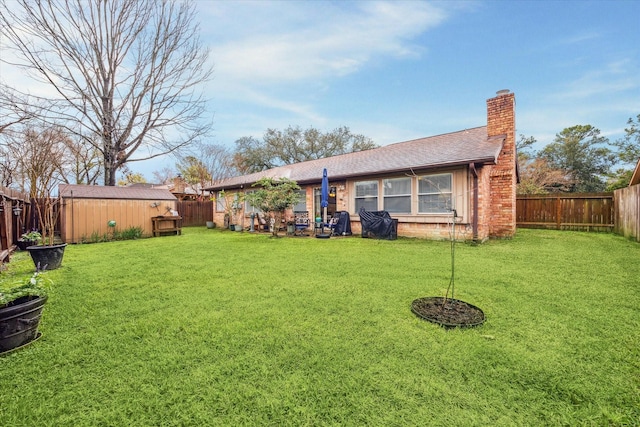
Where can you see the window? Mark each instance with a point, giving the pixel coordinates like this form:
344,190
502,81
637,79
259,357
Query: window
397,195
220,201
435,193
248,207
302,201
367,195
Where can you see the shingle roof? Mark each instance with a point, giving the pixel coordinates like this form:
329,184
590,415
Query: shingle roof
106,192
451,149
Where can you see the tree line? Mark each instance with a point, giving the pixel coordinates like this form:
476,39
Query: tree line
579,160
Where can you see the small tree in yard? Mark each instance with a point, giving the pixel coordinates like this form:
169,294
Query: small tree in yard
273,197
42,151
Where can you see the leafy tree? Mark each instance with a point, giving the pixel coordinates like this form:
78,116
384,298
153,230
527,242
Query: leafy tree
524,146
193,171
628,154
123,74
294,145
629,146
274,197
583,154
619,179
132,178
536,176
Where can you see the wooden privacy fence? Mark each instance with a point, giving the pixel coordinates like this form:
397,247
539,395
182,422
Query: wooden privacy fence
195,212
567,211
627,207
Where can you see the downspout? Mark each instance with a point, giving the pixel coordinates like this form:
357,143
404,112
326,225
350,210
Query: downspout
474,173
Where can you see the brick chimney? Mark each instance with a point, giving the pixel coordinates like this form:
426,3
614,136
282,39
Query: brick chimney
501,122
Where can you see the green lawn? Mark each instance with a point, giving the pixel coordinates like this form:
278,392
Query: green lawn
221,328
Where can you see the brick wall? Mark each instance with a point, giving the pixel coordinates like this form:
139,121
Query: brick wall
502,176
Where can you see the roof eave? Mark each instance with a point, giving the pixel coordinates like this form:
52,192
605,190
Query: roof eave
405,169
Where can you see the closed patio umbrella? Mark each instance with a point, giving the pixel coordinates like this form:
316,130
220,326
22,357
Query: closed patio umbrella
324,195
324,201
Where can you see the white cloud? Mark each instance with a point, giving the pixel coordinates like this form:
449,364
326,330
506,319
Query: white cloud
276,55
616,76
302,41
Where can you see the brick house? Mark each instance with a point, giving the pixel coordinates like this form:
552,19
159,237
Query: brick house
419,182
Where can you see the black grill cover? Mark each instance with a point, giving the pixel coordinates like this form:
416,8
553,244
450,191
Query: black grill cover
343,226
378,224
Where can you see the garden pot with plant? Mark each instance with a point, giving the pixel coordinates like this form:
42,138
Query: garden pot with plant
47,255
21,306
28,239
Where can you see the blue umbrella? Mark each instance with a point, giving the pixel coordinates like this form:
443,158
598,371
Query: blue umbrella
324,195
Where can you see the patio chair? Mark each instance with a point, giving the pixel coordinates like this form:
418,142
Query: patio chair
302,223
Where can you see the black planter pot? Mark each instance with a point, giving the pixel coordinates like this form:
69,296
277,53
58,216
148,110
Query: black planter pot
23,244
19,322
47,257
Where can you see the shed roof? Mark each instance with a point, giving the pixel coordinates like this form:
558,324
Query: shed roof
451,149
106,192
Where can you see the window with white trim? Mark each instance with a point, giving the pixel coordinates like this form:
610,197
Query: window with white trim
248,207
397,195
366,195
435,193
302,201
220,202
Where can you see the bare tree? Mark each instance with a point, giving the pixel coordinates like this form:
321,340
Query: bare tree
8,166
218,160
163,176
82,163
10,112
11,118
124,74
41,152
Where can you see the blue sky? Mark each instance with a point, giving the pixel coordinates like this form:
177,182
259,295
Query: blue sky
395,71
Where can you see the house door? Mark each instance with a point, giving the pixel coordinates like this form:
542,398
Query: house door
317,207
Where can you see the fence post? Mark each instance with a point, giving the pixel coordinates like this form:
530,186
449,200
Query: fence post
558,212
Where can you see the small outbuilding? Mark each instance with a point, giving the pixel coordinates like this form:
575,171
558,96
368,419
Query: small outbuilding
88,211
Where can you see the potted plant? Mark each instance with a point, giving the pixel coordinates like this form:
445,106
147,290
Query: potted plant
21,305
29,239
44,150
291,226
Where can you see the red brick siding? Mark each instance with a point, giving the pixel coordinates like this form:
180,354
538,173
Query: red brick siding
502,176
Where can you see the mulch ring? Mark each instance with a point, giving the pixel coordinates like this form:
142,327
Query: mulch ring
448,312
